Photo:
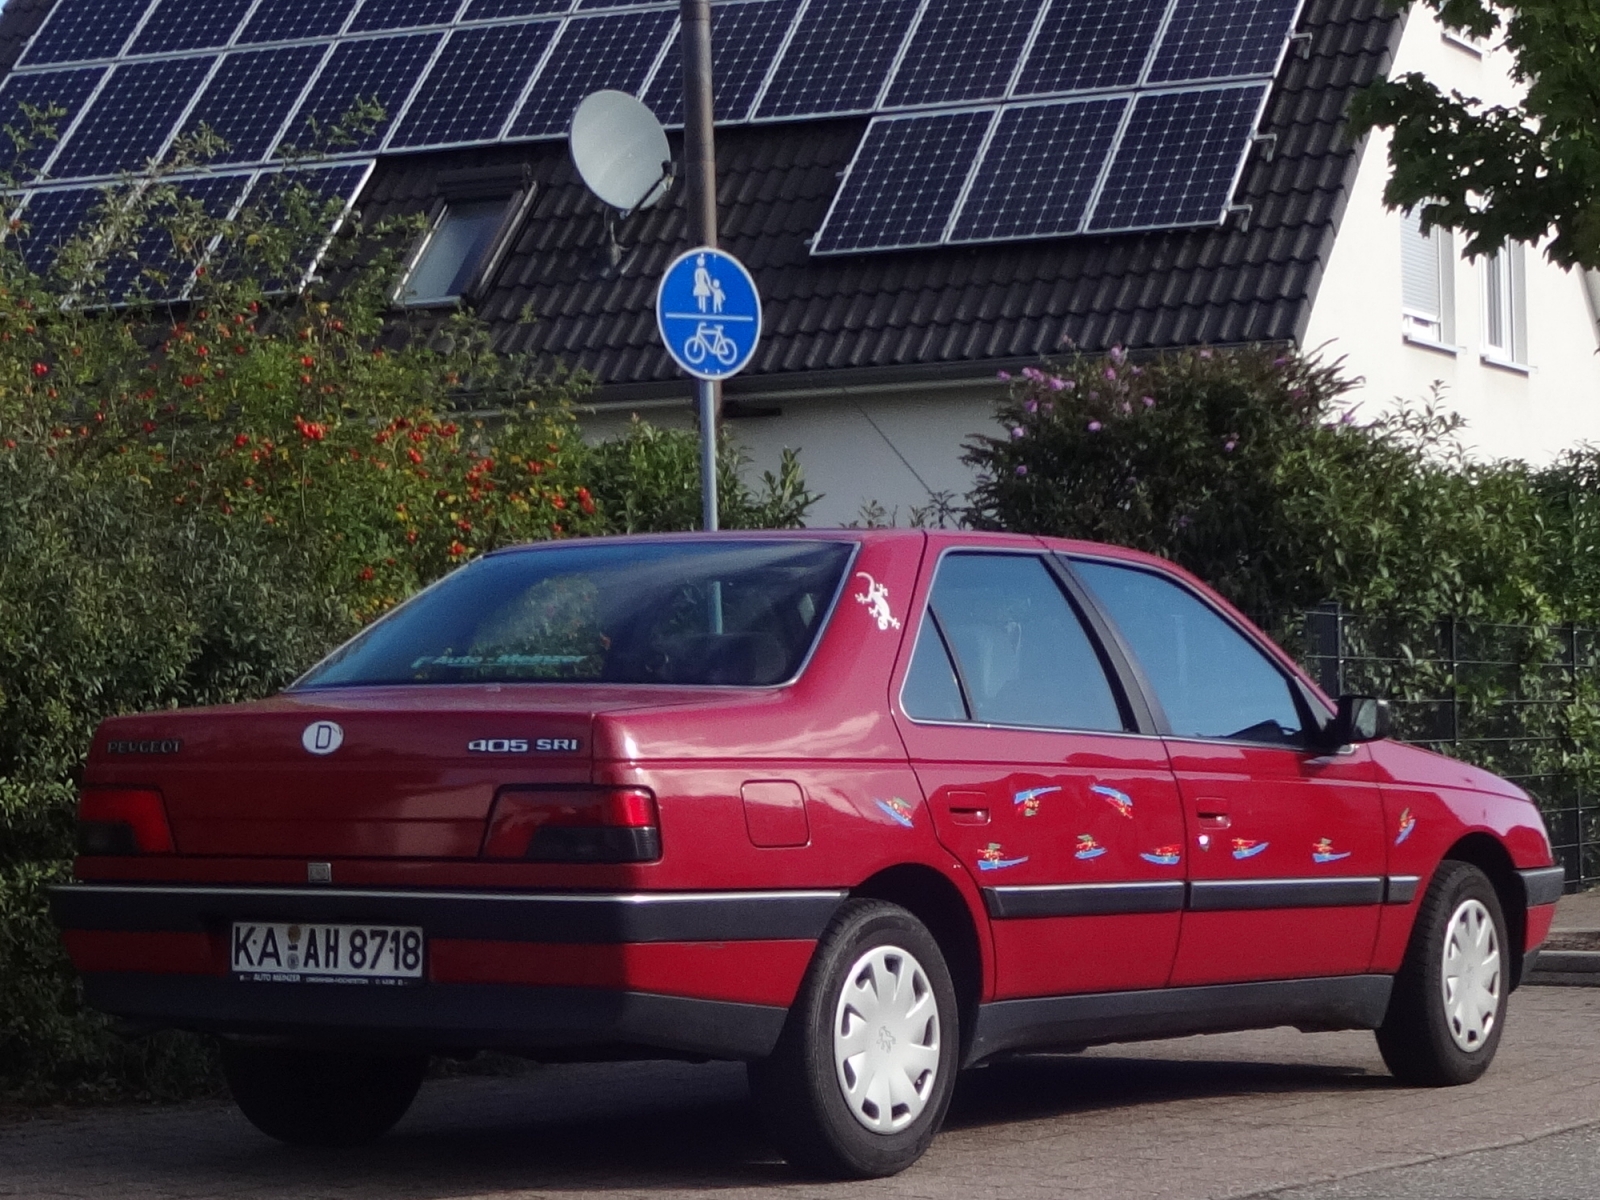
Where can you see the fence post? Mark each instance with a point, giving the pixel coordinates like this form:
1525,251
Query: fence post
1455,687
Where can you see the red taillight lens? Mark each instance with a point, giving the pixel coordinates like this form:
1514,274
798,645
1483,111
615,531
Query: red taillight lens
605,825
123,821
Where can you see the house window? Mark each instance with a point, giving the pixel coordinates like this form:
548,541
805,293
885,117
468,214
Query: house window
1427,272
453,253
1505,302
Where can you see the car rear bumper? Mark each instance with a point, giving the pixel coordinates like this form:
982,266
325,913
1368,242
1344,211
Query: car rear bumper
447,1016
705,973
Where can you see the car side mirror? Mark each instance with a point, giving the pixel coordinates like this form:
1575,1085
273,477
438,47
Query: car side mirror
1360,719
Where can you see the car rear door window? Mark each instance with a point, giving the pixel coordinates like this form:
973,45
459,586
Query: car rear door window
1212,681
1021,653
932,692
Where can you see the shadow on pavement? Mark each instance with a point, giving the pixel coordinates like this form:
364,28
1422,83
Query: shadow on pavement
653,1127
1039,1087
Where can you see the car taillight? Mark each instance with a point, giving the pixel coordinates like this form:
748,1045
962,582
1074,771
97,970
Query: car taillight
123,821
574,825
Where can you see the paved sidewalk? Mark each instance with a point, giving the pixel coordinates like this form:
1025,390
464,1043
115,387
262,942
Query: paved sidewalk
1227,1116
1578,913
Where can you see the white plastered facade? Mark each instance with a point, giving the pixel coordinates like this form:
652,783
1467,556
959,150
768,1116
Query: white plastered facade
1532,410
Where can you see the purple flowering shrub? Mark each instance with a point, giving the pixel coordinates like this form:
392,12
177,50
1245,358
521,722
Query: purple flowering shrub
1247,468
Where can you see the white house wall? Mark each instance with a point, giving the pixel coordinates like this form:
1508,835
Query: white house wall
1532,415
890,450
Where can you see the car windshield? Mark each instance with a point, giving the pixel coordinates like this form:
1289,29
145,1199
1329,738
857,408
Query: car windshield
720,613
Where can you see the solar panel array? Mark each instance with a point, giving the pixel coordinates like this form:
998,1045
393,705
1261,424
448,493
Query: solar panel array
992,119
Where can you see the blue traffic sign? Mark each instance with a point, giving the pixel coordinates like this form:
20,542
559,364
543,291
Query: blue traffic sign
709,313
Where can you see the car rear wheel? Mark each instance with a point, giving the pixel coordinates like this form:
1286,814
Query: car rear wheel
317,1097
1449,1001
862,1075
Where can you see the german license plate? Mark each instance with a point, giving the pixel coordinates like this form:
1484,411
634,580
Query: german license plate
280,952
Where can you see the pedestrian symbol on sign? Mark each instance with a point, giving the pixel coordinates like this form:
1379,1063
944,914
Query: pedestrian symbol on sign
709,313
706,286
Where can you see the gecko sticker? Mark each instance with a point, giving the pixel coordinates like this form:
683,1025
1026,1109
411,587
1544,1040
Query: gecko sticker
876,598
993,858
1323,852
1088,847
1407,824
1246,848
1028,801
1120,801
898,810
1163,856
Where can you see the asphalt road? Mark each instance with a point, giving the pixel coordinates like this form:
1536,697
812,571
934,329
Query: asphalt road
1277,1114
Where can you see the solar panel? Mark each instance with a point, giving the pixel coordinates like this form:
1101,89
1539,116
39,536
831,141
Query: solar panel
614,51
473,85
1039,171
190,25
1091,44
838,59
744,38
1179,159
1218,39
46,90
130,120
904,183
384,69
51,220
1002,79
484,10
404,14
160,260
319,196
963,50
83,29
282,20
248,98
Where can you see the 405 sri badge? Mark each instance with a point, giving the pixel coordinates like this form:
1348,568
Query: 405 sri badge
523,745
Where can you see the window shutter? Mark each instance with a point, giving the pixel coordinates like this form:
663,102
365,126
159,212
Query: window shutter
1419,269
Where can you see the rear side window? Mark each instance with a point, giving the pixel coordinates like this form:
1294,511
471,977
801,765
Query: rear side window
1212,681
716,613
1022,656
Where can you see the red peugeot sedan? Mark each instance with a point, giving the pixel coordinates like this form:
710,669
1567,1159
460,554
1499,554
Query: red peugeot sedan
858,808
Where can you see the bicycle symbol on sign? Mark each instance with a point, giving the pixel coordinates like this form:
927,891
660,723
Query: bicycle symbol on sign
709,339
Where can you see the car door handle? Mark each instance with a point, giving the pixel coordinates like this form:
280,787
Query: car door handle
969,816
1214,820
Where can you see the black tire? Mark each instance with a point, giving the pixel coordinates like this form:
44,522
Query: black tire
799,1090
1420,1042
310,1096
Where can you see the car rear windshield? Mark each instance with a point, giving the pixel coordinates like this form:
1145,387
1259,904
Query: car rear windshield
719,613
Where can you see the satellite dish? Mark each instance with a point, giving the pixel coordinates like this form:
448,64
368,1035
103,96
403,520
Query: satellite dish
620,150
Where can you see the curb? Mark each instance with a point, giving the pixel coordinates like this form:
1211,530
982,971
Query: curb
1564,968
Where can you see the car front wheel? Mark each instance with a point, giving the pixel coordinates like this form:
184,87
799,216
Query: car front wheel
1448,1007
317,1097
861,1077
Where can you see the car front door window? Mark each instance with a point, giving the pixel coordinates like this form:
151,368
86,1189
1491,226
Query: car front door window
1211,680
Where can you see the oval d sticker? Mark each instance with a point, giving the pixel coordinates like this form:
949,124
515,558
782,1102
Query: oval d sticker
322,737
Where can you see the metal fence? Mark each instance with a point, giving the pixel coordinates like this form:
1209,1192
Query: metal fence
1520,700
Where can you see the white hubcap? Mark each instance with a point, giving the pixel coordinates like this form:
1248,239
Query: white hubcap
1471,975
886,1039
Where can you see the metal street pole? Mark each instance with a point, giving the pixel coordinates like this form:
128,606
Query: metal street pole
700,169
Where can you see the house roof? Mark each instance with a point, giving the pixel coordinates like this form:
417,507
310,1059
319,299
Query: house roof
948,313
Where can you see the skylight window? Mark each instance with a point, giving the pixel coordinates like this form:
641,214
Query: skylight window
454,253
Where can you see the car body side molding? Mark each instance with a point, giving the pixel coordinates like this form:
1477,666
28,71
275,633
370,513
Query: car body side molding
574,917
1085,899
1218,895
1054,1022
1173,895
